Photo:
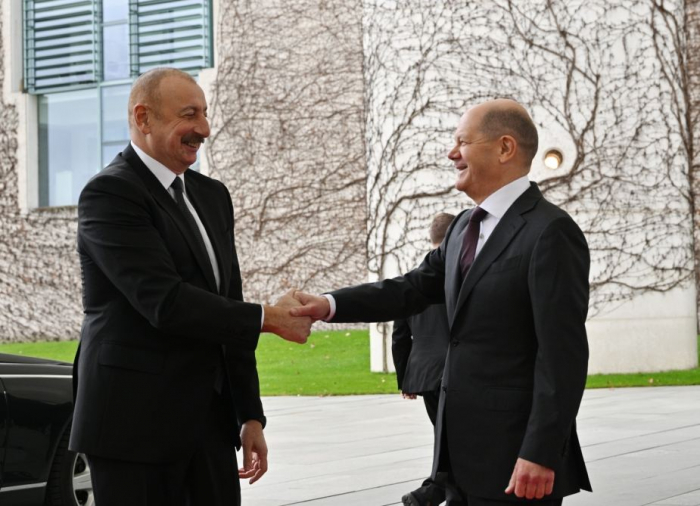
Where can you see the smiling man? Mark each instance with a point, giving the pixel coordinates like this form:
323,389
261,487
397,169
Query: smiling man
165,376
513,274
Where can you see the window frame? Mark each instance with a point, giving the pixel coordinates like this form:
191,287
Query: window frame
37,186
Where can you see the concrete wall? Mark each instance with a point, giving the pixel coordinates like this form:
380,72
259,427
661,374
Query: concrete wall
39,275
603,81
328,115
286,111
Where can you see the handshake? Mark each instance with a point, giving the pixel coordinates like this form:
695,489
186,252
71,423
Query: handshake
293,314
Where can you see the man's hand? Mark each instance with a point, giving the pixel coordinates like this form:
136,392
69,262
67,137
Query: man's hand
254,451
530,480
314,306
278,320
409,396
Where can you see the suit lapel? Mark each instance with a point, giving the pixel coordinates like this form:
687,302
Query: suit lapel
165,201
453,277
506,230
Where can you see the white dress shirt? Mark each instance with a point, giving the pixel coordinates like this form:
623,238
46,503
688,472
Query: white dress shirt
166,178
495,205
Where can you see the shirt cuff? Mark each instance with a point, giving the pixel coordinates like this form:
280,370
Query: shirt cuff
262,317
331,301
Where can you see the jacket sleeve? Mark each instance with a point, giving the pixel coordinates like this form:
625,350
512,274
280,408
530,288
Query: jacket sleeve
117,233
241,363
401,344
396,298
558,285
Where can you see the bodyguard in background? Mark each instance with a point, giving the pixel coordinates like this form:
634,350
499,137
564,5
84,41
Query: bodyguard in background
419,347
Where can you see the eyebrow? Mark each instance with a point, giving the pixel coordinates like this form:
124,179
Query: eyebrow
192,108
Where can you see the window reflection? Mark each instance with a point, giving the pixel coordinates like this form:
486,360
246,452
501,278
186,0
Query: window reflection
116,52
115,121
69,143
115,10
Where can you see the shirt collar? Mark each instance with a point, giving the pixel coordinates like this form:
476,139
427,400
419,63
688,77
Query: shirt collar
162,173
500,201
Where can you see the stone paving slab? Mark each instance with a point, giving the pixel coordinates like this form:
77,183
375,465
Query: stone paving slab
641,445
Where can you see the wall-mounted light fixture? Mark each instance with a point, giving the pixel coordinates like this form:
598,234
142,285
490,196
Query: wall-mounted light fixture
553,159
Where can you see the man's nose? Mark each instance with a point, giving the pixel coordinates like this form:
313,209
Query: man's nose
203,128
453,154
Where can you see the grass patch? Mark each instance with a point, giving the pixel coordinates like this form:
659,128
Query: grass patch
53,350
337,363
330,363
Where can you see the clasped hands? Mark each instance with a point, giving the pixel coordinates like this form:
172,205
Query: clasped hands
293,314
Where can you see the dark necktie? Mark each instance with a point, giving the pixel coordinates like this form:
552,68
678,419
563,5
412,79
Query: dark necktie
182,205
471,238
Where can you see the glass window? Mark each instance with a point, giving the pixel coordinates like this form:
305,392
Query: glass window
115,121
81,57
69,146
116,52
115,101
115,10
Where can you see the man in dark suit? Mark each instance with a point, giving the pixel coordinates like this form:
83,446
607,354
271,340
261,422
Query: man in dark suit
513,273
419,346
165,375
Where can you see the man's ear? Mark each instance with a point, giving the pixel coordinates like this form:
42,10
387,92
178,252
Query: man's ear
508,148
142,116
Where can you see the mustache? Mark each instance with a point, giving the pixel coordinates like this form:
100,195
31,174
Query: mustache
193,139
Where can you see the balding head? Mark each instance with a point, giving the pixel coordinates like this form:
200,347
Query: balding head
146,90
495,143
507,117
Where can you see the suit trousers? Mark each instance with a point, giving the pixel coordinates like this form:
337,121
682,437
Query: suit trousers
207,477
431,491
431,401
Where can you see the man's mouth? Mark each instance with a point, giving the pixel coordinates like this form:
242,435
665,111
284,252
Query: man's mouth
193,141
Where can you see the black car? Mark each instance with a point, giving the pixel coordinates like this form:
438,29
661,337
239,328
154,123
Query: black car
36,408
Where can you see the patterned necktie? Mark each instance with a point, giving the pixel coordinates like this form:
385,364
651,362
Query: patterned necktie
471,238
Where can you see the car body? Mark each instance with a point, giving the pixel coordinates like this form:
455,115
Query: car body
36,408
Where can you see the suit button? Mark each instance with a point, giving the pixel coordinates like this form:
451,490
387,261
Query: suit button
454,343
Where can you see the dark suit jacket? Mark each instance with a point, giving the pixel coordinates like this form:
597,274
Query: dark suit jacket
518,357
156,332
419,346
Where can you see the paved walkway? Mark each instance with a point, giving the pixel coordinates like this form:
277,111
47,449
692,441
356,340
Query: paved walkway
642,446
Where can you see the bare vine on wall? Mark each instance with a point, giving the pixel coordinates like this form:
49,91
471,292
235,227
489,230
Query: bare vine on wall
39,274
606,79
286,114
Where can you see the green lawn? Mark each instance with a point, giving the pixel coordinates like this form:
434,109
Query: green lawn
337,363
330,363
55,350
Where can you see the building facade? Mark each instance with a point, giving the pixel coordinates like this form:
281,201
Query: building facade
330,125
